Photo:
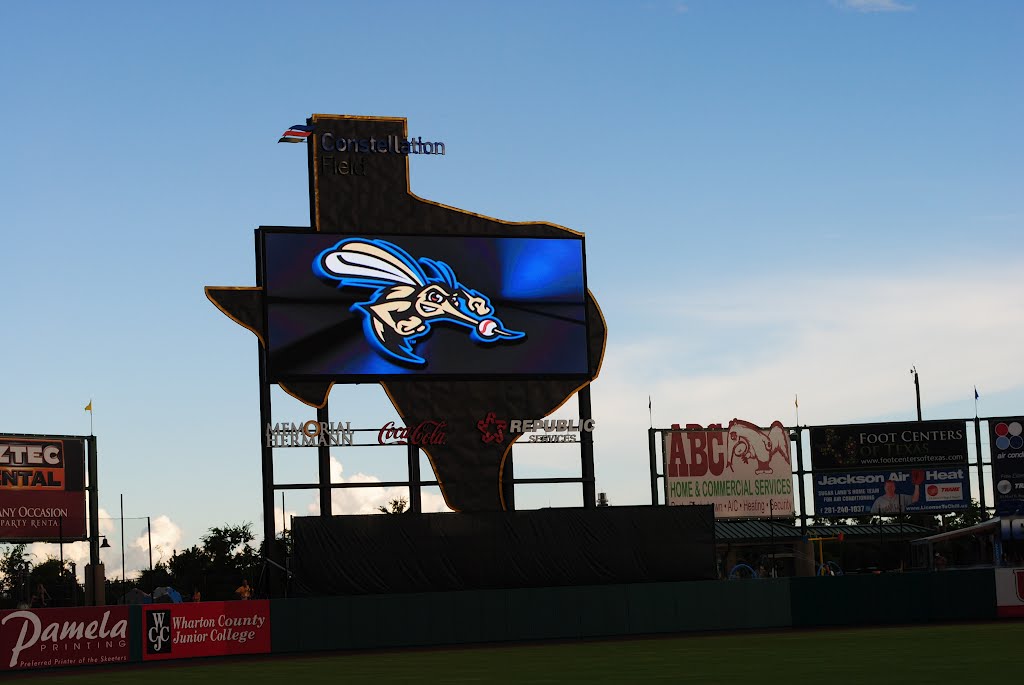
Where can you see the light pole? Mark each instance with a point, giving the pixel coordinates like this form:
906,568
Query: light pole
917,389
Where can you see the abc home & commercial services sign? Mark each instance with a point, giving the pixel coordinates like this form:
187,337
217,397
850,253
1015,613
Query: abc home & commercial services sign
63,637
743,471
184,631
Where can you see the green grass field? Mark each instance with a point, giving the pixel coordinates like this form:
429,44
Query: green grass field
949,654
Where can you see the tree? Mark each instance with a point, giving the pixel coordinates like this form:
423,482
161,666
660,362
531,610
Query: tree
217,566
971,516
159,576
14,575
395,506
189,568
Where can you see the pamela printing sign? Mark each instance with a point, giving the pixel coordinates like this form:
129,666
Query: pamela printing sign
47,638
743,470
185,631
42,488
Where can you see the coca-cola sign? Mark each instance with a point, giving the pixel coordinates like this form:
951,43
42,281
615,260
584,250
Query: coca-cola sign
424,433
45,638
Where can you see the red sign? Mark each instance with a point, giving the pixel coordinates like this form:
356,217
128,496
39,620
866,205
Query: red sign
186,631
42,488
45,638
1010,592
42,515
424,433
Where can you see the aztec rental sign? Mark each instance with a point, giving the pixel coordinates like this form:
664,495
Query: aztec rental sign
42,488
185,631
743,470
46,638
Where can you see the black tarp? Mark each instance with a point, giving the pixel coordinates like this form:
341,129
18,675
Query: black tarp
372,554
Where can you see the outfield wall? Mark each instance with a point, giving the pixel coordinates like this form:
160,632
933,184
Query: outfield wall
46,638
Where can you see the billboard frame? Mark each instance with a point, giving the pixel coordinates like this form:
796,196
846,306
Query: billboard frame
92,502
797,435
261,234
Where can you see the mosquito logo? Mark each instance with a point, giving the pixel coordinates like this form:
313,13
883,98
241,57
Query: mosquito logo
408,297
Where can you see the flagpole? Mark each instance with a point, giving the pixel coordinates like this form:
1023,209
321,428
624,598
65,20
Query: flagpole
975,402
796,403
650,410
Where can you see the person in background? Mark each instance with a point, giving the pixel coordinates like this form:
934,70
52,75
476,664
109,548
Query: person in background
893,502
41,598
244,591
196,595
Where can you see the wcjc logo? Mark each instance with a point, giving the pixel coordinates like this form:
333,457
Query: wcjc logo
158,632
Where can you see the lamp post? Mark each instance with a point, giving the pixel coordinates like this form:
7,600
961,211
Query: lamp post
917,390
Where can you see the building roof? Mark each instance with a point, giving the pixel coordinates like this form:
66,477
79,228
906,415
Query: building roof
887,529
768,530
755,530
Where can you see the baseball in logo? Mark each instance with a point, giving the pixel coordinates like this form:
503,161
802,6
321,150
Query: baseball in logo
158,631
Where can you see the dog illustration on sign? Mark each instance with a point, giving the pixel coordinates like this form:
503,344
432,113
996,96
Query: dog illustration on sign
409,296
748,441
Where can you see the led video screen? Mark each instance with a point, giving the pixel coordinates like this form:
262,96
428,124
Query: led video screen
354,308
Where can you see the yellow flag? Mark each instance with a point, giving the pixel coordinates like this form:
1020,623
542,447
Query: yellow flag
88,407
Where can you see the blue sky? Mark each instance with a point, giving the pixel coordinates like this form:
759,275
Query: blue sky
802,197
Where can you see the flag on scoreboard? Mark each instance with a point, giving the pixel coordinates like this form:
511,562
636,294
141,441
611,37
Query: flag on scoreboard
296,134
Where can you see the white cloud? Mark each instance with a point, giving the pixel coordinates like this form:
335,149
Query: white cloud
873,5
166,534
367,500
845,345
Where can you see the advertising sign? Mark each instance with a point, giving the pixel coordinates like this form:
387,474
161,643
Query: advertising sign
887,493
42,488
1007,445
884,445
195,629
1010,592
45,638
744,471
350,308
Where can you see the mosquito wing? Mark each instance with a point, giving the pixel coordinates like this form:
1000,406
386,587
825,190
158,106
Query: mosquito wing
370,264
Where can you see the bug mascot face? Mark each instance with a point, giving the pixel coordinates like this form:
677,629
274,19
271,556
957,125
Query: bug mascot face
406,301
